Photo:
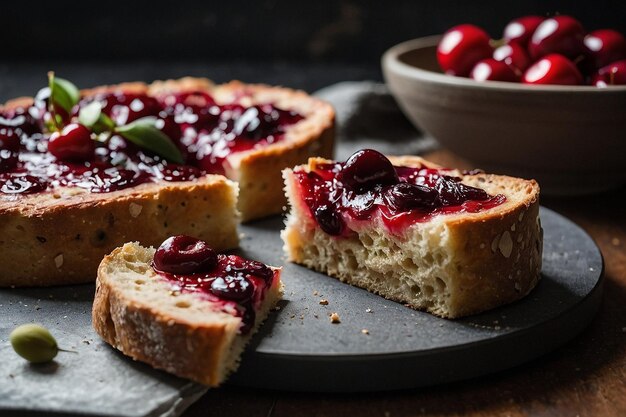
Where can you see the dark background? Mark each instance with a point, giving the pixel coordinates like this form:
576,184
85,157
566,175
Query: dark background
322,30
304,44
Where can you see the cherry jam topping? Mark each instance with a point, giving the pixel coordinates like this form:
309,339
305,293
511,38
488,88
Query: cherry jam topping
32,159
236,284
368,184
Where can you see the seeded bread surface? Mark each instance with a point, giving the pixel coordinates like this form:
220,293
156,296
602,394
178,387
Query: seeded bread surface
136,312
452,266
61,237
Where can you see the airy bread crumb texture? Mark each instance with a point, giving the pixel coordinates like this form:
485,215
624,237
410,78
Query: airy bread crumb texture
451,266
138,313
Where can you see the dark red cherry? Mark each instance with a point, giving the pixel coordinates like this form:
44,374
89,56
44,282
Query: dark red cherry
406,196
521,29
461,48
330,220
557,35
234,288
553,69
124,108
168,126
9,149
491,70
250,267
197,99
20,120
514,55
365,169
73,143
605,46
184,255
612,74
9,140
23,184
453,192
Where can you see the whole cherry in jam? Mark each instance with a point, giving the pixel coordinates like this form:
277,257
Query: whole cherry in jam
20,121
520,30
184,255
124,108
612,74
514,55
365,169
491,70
329,220
22,184
453,192
553,69
604,47
256,123
73,143
561,35
9,149
406,196
461,48
234,288
249,267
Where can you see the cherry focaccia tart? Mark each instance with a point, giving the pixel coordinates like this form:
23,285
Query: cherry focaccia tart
182,307
70,193
448,242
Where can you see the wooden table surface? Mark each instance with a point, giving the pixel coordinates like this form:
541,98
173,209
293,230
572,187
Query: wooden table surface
585,378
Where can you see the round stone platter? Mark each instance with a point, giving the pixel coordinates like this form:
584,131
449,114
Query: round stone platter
383,345
379,344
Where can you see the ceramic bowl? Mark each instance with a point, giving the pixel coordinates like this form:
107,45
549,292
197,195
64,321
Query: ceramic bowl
572,139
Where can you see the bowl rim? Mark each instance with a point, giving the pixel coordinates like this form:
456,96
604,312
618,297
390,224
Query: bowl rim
390,60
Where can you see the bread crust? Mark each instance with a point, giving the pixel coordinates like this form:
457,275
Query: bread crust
496,253
61,240
205,351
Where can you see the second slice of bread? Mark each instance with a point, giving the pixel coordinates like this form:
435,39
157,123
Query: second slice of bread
136,312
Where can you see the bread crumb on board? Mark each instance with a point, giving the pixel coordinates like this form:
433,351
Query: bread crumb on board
334,318
365,331
324,302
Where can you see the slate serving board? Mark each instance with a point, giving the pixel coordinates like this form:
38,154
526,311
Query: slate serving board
298,348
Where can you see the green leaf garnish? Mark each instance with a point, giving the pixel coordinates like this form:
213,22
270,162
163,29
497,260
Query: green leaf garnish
92,117
62,92
90,114
143,132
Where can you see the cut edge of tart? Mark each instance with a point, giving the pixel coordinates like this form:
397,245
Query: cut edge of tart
451,264
142,312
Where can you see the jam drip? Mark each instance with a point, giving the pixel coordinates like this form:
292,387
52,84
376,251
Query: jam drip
33,160
368,184
236,284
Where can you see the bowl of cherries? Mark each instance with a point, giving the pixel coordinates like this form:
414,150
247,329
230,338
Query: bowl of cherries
547,100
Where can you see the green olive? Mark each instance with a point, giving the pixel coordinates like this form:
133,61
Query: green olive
34,343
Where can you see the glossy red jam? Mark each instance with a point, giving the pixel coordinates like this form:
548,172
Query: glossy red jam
206,133
367,185
235,284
